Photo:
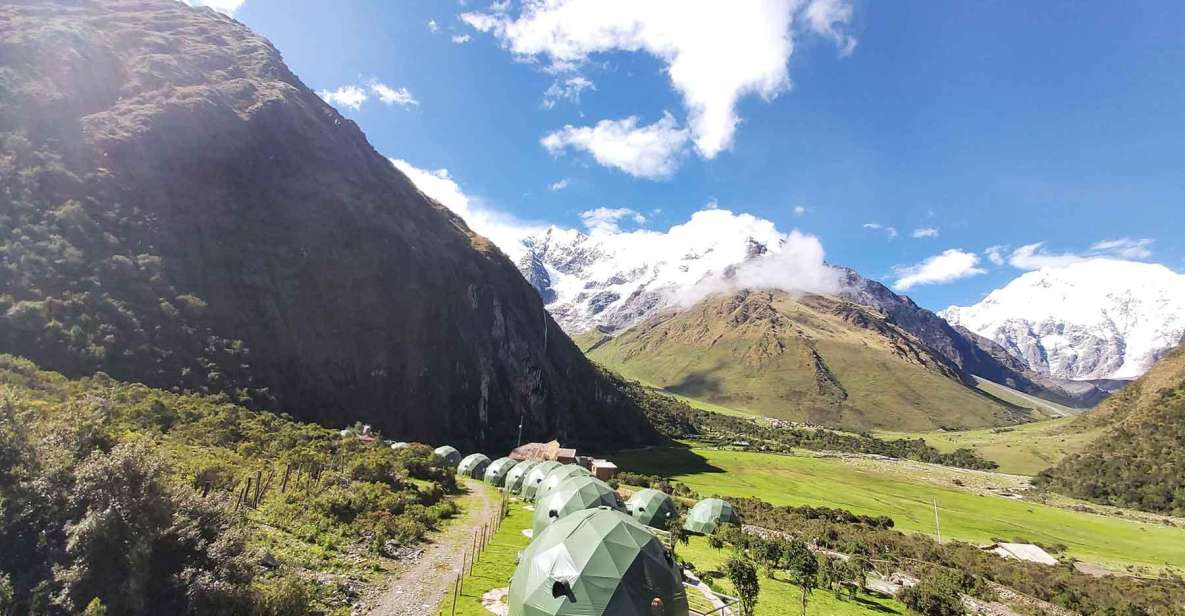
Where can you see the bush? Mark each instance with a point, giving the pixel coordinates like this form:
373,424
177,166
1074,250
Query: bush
938,595
286,596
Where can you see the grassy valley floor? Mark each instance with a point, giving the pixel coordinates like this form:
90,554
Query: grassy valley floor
906,492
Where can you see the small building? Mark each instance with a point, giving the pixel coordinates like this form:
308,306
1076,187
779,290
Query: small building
603,469
544,452
1021,551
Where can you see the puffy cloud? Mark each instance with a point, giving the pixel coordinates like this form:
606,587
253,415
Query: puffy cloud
461,39
952,264
605,220
506,231
653,151
391,96
925,232
1034,256
715,52
995,254
558,185
568,89
433,27
350,97
222,6
799,210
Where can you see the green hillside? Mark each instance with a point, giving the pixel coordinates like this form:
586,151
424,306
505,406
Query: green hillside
152,502
1138,457
812,359
907,494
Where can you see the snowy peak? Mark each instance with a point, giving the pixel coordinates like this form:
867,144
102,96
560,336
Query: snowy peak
1095,319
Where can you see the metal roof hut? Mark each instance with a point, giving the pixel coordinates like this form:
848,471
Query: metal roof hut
651,507
514,478
596,562
709,513
448,455
558,477
578,494
536,477
473,465
495,474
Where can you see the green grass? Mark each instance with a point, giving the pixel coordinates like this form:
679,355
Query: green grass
885,490
496,565
1026,449
779,597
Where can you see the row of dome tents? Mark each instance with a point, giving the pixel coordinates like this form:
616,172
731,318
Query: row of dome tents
591,554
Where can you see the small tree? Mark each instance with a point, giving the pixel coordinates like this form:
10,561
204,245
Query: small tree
768,553
6,596
743,576
800,562
938,595
95,608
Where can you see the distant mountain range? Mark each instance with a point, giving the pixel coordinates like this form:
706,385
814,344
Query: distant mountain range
1096,319
179,209
611,282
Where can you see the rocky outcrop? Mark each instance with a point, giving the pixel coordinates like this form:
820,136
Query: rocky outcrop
186,213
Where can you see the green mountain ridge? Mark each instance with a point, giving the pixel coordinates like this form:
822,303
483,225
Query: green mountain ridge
808,358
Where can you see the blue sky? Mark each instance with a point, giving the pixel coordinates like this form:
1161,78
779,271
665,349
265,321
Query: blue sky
997,124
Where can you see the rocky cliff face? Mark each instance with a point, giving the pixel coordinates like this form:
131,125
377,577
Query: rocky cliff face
179,209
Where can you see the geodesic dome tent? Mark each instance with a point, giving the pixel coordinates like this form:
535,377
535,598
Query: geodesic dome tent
449,455
514,478
651,507
536,477
709,513
495,474
473,465
596,562
558,477
577,494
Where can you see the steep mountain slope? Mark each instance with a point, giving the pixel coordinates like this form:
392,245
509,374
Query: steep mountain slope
179,209
613,281
808,358
1140,460
1096,319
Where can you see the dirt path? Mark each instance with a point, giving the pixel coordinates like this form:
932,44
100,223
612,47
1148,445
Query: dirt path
418,589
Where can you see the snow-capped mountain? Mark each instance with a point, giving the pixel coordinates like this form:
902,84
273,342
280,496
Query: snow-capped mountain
614,280
1094,319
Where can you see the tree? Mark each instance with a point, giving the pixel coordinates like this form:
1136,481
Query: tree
743,576
768,553
937,595
800,562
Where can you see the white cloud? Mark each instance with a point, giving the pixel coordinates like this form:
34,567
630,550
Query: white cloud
1125,248
506,231
925,232
890,232
952,264
461,39
558,185
1034,256
995,254
653,151
350,97
568,89
222,6
605,220
433,27
715,52
799,210
391,96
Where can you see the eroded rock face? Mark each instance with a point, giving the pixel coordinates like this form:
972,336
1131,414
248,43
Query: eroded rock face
185,212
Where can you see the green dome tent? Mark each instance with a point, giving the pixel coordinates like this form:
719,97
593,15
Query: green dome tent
558,477
577,494
514,479
495,474
596,562
473,465
709,513
448,455
651,507
536,477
